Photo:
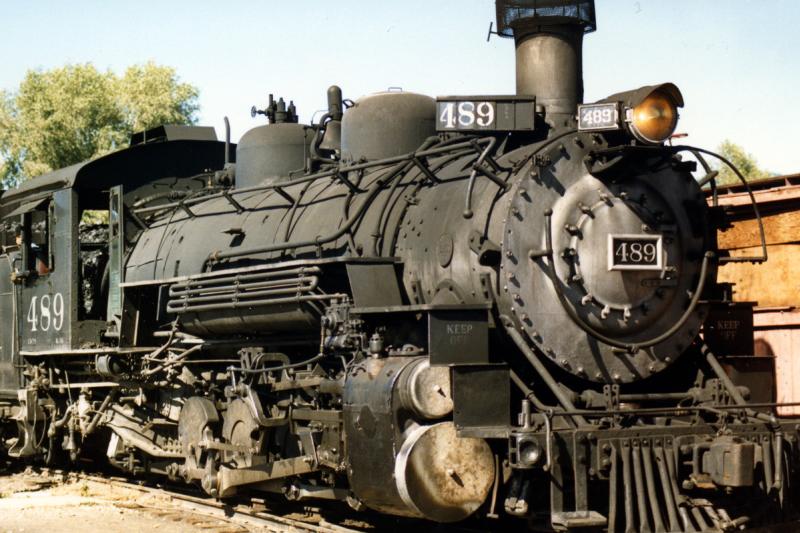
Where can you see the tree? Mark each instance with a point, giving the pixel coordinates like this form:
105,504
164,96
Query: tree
73,113
150,95
10,159
744,161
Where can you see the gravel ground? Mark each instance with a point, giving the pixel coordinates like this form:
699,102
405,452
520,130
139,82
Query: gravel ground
30,503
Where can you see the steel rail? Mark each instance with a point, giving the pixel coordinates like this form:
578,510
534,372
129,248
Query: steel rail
241,515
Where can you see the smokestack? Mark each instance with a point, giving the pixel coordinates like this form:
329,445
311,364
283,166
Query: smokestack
548,35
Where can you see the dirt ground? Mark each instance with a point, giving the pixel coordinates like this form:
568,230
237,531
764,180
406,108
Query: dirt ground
32,503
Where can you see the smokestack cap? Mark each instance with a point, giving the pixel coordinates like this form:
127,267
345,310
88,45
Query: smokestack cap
513,15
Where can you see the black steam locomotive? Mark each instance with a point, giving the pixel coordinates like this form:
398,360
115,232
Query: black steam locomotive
432,308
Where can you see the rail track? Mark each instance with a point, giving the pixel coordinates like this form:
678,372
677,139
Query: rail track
240,515
251,514
246,515
250,518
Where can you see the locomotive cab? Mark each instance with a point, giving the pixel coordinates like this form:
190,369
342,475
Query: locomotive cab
65,235
42,284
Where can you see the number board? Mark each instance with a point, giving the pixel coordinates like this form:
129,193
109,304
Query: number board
598,117
485,113
635,252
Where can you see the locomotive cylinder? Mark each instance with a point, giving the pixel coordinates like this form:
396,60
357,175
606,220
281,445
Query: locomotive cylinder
401,464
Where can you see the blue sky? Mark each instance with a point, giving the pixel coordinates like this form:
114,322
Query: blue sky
736,61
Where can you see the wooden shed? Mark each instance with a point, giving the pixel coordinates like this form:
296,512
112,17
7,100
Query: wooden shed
774,285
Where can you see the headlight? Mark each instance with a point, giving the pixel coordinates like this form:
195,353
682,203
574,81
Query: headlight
650,113
655,118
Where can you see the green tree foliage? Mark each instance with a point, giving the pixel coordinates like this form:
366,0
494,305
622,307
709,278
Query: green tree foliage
151,95
70,114
744,161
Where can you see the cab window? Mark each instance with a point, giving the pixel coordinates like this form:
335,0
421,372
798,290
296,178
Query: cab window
37,228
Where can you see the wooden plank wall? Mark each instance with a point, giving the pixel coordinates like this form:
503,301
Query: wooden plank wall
776,282
775,286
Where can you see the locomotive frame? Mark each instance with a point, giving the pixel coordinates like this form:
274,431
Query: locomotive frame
424,323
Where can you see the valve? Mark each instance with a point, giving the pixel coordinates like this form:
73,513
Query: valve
277,112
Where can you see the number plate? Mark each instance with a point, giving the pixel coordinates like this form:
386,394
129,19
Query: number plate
459,113
635,252
598,117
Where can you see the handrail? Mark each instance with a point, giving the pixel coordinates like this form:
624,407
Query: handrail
404,162
711,177
410,157
747,259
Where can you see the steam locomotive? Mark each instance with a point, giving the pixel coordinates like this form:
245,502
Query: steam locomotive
492,306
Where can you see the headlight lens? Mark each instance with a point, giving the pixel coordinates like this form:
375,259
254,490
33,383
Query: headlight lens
655,119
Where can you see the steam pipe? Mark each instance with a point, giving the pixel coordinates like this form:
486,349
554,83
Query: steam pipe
445,148
671,459
227,140
613,490
638,477
253,303
551,383
628,486
650,483
372,194
103,406
666,489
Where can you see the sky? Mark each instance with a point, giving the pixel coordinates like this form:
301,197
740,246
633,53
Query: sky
737,62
